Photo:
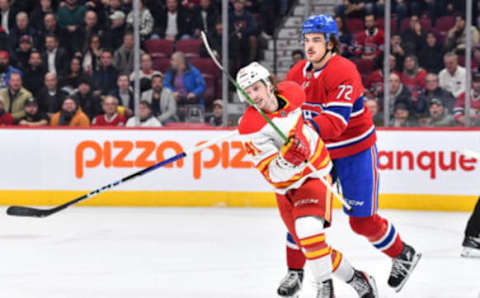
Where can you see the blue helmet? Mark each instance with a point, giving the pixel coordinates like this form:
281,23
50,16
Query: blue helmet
323,23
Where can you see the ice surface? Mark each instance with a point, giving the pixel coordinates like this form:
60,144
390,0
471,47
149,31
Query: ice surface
209,252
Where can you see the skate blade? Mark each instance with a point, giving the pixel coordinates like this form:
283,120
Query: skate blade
415,260
469,252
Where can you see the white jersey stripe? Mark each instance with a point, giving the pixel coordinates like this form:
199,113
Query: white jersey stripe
352,140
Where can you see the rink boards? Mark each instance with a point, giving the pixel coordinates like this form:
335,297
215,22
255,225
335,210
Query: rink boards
420,169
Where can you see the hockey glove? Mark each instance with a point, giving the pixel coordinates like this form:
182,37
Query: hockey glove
296,150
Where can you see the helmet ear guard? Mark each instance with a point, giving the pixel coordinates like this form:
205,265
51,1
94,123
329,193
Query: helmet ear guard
251,74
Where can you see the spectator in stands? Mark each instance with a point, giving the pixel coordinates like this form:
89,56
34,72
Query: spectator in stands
5,117
113,36
297,56
89,28
91,58
413,37
161,101
55,57
434,91
398,51
452,77
15,95
146,21
398,93
33,116
456,37
186,82
216,118
459,109
438,115
71,16
110,116
413,76
21,28
34,73
6,69
146,117
52,28
351,9
476,58
125,95
51,97
72,78
7,15
39,13
345,38
146,73
215,40
205,16
175,22
22,53
369,43
4,41
87,100
105,79
374,81
431,55
401,116
70,115
123,57
372,105
243,42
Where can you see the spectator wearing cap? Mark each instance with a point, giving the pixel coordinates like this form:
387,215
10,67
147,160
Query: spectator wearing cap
146,73
147,119
123,57
39,13
15,96
186,82
34,73
7,16
431,55
369,43
146,21
459,109
216,118
22,53
243,42
434,91
161,101
6,69
55,57
456,37
105,79
174,23
125,96
70,115
21,28
90,103
113,36
51,96
401,116
439,115
5,117
110,116
452,77
33,116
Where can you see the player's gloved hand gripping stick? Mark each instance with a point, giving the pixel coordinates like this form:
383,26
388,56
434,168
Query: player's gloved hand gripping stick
280,133
35,212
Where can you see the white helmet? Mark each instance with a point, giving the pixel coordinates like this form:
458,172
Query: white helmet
251,74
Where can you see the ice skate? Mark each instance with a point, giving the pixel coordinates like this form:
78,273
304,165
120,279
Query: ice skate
291,284
402,267
471,247
364,284
325,289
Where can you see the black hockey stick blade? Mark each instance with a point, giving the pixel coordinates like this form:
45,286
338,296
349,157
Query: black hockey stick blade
29,211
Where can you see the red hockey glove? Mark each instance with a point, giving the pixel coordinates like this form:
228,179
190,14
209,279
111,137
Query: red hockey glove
296,150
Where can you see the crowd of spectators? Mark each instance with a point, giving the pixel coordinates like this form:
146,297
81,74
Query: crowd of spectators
427,59
70,62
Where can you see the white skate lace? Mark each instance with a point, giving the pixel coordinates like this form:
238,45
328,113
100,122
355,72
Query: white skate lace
290,280
324,289
360,284
400,267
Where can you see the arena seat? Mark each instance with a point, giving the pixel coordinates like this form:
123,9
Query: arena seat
205,65
354,25
161,64
159,48
445,23
191,47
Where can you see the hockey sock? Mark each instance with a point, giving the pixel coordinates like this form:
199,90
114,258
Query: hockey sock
380,232
318,256
473,225
341,267
295,257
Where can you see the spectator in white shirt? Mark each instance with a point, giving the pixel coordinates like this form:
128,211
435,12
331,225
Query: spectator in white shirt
146,117
452,77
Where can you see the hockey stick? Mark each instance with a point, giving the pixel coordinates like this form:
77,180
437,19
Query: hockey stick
275,127
34,212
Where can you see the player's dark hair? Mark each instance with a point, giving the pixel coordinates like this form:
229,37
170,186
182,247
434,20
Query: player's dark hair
337,47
